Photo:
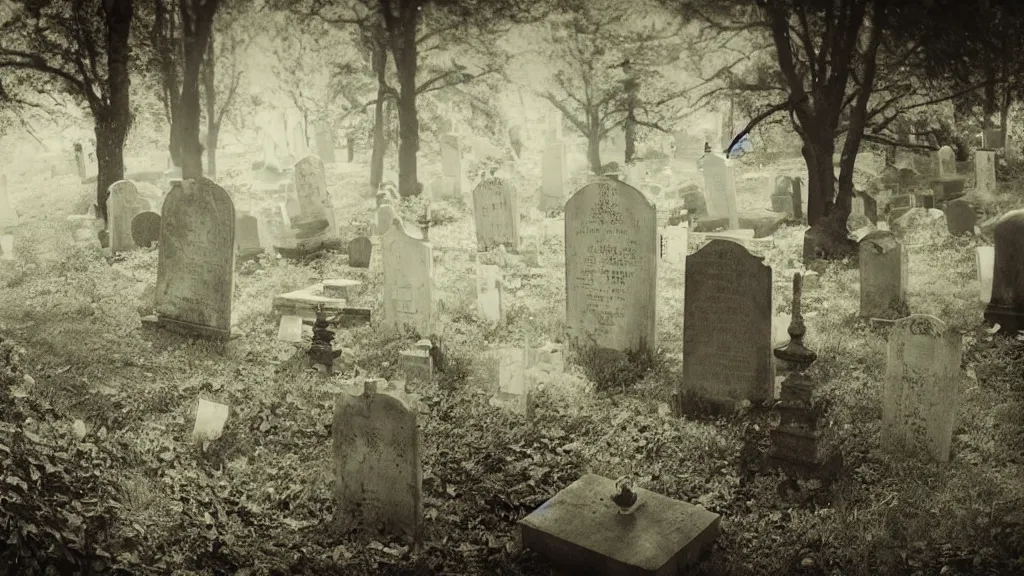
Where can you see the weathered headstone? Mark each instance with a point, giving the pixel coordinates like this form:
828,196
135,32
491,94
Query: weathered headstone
195,273
489,297
960,217
922,383
674,243
947,162
123,203
360,249
416,365
451,156
313,196
247,237
552,193
408,281
720,189
883,276
210,420
514,390
496,211
145,229
290,328
727,325
782,196
985,173
378,474
1006,306
611,253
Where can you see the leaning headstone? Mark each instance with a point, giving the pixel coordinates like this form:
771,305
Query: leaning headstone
922,382
378,474
727,325
883,276
360,249
947,162
123,204
496,212
985,261
210,420
581,530
611,253
195,272
145,229
720,189
408,288
985,173
313,196
1006,306
489,299
960,217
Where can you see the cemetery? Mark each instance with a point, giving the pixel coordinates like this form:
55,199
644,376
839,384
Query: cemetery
463,329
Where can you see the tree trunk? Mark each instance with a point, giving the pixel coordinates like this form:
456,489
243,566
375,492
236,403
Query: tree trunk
350,146
379,56
197,22
594,150
629,126
817,152
113,120
210,87
404,51
989,105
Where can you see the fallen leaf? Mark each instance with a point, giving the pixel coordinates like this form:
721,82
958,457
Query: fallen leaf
78,429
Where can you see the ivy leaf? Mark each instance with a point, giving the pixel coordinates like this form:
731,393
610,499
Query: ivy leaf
15,481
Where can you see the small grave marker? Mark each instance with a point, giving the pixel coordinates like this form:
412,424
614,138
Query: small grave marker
210,420
290,329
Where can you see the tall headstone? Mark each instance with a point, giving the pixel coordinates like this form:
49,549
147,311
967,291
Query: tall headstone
922,386
489,299
611,253
985,173
496,211
985,262
408,281
883,276
324,142
378,474
1006,307
720,189
451,156
123,203
195,272
727,325
947,162
311,191
552,176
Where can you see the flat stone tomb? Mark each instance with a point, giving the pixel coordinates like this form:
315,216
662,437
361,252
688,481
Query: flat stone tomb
581,531
331,293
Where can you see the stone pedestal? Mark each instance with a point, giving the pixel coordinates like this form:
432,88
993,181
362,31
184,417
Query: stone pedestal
581,531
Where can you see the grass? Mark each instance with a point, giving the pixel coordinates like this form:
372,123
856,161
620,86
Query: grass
259,501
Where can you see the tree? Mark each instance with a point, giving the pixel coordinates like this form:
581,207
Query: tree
196,17
81,48
223,71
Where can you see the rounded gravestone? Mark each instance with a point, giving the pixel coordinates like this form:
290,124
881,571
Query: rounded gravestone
146,228
1006,307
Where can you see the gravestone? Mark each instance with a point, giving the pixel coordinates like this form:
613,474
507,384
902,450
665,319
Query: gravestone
984,262
324,142
514,390
145,229
451,156
8,217
123,203
782,196
386,214
611,252
378,474
408,287
922,383
210,420
985,173
960,217
552,170
360,249
727,325
720,189
992,138
674,243
247,237
312,194
947,162
883,276
489,295
1006,306
290,329
496,211
195,272
582,531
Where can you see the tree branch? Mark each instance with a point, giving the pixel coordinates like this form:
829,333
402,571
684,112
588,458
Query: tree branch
774,109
